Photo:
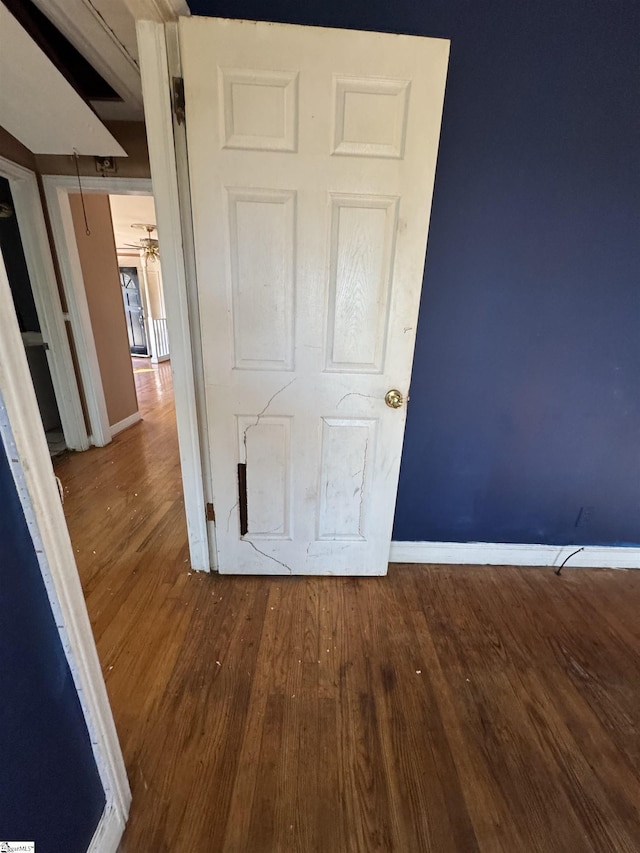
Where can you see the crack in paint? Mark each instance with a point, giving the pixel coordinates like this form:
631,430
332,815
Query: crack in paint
356,394
277,529
268,556
235,506
262,413
364,468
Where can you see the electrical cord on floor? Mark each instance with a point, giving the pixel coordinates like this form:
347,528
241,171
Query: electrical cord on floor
562,565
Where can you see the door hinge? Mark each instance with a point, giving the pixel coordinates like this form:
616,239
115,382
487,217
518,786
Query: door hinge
210,512
177,97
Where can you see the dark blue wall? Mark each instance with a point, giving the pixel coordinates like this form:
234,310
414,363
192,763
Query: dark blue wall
50,790
524,422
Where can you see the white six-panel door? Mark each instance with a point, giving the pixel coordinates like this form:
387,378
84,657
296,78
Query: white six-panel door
312,155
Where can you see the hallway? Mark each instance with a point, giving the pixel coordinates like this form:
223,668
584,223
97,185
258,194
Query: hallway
439,709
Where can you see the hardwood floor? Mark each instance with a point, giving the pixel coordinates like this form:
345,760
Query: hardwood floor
438,709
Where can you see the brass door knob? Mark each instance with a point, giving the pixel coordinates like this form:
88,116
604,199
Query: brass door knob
393,399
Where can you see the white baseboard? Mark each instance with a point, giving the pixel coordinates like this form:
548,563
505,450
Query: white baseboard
106,838
125,422
502,554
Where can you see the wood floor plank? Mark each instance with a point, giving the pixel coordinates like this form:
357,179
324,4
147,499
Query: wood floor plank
506,664
417,753
241,806
438,709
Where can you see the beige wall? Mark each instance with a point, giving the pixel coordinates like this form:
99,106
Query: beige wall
130,134
102,284
156,296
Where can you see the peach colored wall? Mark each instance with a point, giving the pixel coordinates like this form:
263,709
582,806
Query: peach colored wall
99,264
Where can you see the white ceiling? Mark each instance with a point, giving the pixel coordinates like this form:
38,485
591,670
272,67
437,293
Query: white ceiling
38,106
127,210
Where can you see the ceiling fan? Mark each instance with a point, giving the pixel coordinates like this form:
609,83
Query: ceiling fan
147,245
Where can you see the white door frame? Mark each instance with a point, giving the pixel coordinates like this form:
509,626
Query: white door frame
175,253
42,276
57,189
174,63
21,429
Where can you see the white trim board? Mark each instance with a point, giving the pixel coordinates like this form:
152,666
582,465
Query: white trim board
125,423
106,838
37,252
184,194
504,554
162,157
160,11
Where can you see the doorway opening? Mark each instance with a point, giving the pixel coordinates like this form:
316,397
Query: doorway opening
30,329
181,303
111,269
121,266
117,487
140,267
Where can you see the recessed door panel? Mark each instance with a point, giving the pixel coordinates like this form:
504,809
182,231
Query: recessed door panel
265,449
361,262
348,450
258,109
262,250
370,117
